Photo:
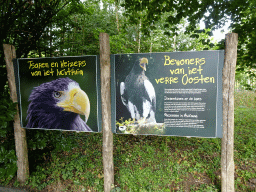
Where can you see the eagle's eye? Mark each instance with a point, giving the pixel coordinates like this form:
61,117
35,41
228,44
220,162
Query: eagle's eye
57,94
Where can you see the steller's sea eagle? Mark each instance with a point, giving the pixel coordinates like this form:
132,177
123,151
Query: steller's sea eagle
58,104
138,94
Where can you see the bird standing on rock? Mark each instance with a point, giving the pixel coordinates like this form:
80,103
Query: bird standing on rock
138,94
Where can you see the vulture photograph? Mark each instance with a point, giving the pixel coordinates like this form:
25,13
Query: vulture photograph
138,94
58,104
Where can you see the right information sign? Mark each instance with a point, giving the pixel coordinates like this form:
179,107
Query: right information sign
176,94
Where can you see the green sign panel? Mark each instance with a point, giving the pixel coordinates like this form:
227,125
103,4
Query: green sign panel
177,94
59,93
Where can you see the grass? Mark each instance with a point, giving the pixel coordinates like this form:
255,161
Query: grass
152,163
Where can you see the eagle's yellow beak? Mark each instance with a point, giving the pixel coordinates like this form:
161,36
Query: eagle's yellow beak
77,101
143,63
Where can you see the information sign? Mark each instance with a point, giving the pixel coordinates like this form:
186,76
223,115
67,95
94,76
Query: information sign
59,93
177,93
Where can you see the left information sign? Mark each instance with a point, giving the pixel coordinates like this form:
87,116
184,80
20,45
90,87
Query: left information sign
61,93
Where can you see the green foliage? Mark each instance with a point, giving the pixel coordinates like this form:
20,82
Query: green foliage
8,158
214,13
163,163
120,44
39,139
7,112
116,189
245,79
72,28
149,163
35,33
245,146
79,166
8,164
204,188
245,27
132,37
245,99
35,16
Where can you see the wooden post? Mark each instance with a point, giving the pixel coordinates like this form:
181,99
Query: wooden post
228,82
19,132
106,112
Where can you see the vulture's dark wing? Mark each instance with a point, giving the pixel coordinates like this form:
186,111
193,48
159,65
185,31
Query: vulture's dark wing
138,94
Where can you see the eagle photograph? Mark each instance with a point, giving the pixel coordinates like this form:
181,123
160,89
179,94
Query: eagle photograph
138,99
59,101
58,104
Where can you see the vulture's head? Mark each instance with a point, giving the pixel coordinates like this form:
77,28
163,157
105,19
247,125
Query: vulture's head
143,63
58,104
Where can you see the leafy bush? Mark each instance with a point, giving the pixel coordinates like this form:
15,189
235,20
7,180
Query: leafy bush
8,166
